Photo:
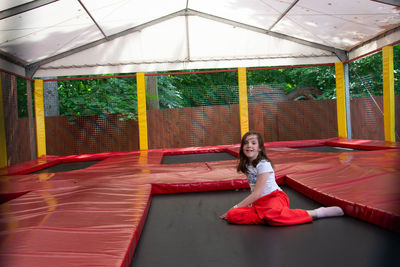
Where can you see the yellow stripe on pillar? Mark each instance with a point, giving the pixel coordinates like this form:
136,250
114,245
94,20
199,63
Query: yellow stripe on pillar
340,100
388,94
39,119
243,104
142,114
3,144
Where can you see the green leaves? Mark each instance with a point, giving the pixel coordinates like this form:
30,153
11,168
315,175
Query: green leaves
98,96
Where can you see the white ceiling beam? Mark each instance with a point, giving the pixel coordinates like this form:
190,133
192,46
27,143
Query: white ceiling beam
388,2
13,59
94,21
283,14
24,8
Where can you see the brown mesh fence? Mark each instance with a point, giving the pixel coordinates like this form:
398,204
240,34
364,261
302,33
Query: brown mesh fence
193,126
16,129
90,134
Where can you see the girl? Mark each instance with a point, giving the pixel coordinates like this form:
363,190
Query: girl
267,203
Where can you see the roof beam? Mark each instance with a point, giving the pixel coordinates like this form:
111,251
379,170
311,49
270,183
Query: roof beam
24,8
94,21
388,2
380,36
341,54
13,59
283,14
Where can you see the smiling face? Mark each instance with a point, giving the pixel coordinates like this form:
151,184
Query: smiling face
251,148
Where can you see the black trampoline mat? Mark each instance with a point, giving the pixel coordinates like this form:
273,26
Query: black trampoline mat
332,149
68,166
200,157
184,230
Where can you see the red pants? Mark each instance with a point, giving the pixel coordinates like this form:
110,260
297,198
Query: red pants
271,209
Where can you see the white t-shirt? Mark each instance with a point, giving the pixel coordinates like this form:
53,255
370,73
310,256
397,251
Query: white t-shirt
262,167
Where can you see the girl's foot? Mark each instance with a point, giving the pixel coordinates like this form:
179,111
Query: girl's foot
329,212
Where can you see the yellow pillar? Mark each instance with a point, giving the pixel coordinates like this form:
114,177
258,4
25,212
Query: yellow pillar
3,144
340,100
141,100
388,94
243,104
39,119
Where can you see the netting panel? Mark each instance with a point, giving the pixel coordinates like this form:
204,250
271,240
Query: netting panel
366,92
283,107
90,134
16,127
107,121
194,115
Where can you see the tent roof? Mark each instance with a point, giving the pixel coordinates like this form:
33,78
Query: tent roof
75,37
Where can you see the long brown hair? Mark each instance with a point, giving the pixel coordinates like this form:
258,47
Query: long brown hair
243,160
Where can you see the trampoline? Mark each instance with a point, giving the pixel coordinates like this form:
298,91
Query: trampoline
69,166
330,149
184,230
200,157
129,209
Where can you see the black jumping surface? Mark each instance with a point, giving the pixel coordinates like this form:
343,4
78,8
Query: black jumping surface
184,230
202,157
68,166
332,149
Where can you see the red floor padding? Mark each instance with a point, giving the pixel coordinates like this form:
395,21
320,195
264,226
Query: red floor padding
74,225
94,217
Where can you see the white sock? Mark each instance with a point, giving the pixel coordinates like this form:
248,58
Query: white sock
329,212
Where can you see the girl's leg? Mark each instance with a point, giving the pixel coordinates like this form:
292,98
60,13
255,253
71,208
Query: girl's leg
274,210
244,215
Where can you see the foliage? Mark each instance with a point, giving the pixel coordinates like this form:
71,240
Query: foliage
190,90
366,74
288,79
98,96
22,98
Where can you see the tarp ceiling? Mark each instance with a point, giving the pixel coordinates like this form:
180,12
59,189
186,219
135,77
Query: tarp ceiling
75,37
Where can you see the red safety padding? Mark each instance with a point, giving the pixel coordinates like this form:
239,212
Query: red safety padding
370,193
74,226
363,144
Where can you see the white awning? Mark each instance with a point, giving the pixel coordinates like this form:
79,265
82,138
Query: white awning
70,37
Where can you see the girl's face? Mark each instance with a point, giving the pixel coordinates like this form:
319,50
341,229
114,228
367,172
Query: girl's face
251,148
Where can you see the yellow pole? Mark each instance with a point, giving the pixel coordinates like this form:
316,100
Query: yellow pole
39,119
340,100
243,104
141,100
3,144
388,94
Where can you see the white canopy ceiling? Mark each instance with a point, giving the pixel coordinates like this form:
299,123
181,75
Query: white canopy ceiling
74,37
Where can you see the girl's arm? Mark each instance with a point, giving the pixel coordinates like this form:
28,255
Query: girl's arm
258,190
256,194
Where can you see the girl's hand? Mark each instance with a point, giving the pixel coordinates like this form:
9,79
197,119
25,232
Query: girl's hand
223,216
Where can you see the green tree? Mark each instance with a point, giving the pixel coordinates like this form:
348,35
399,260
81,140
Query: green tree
98,96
